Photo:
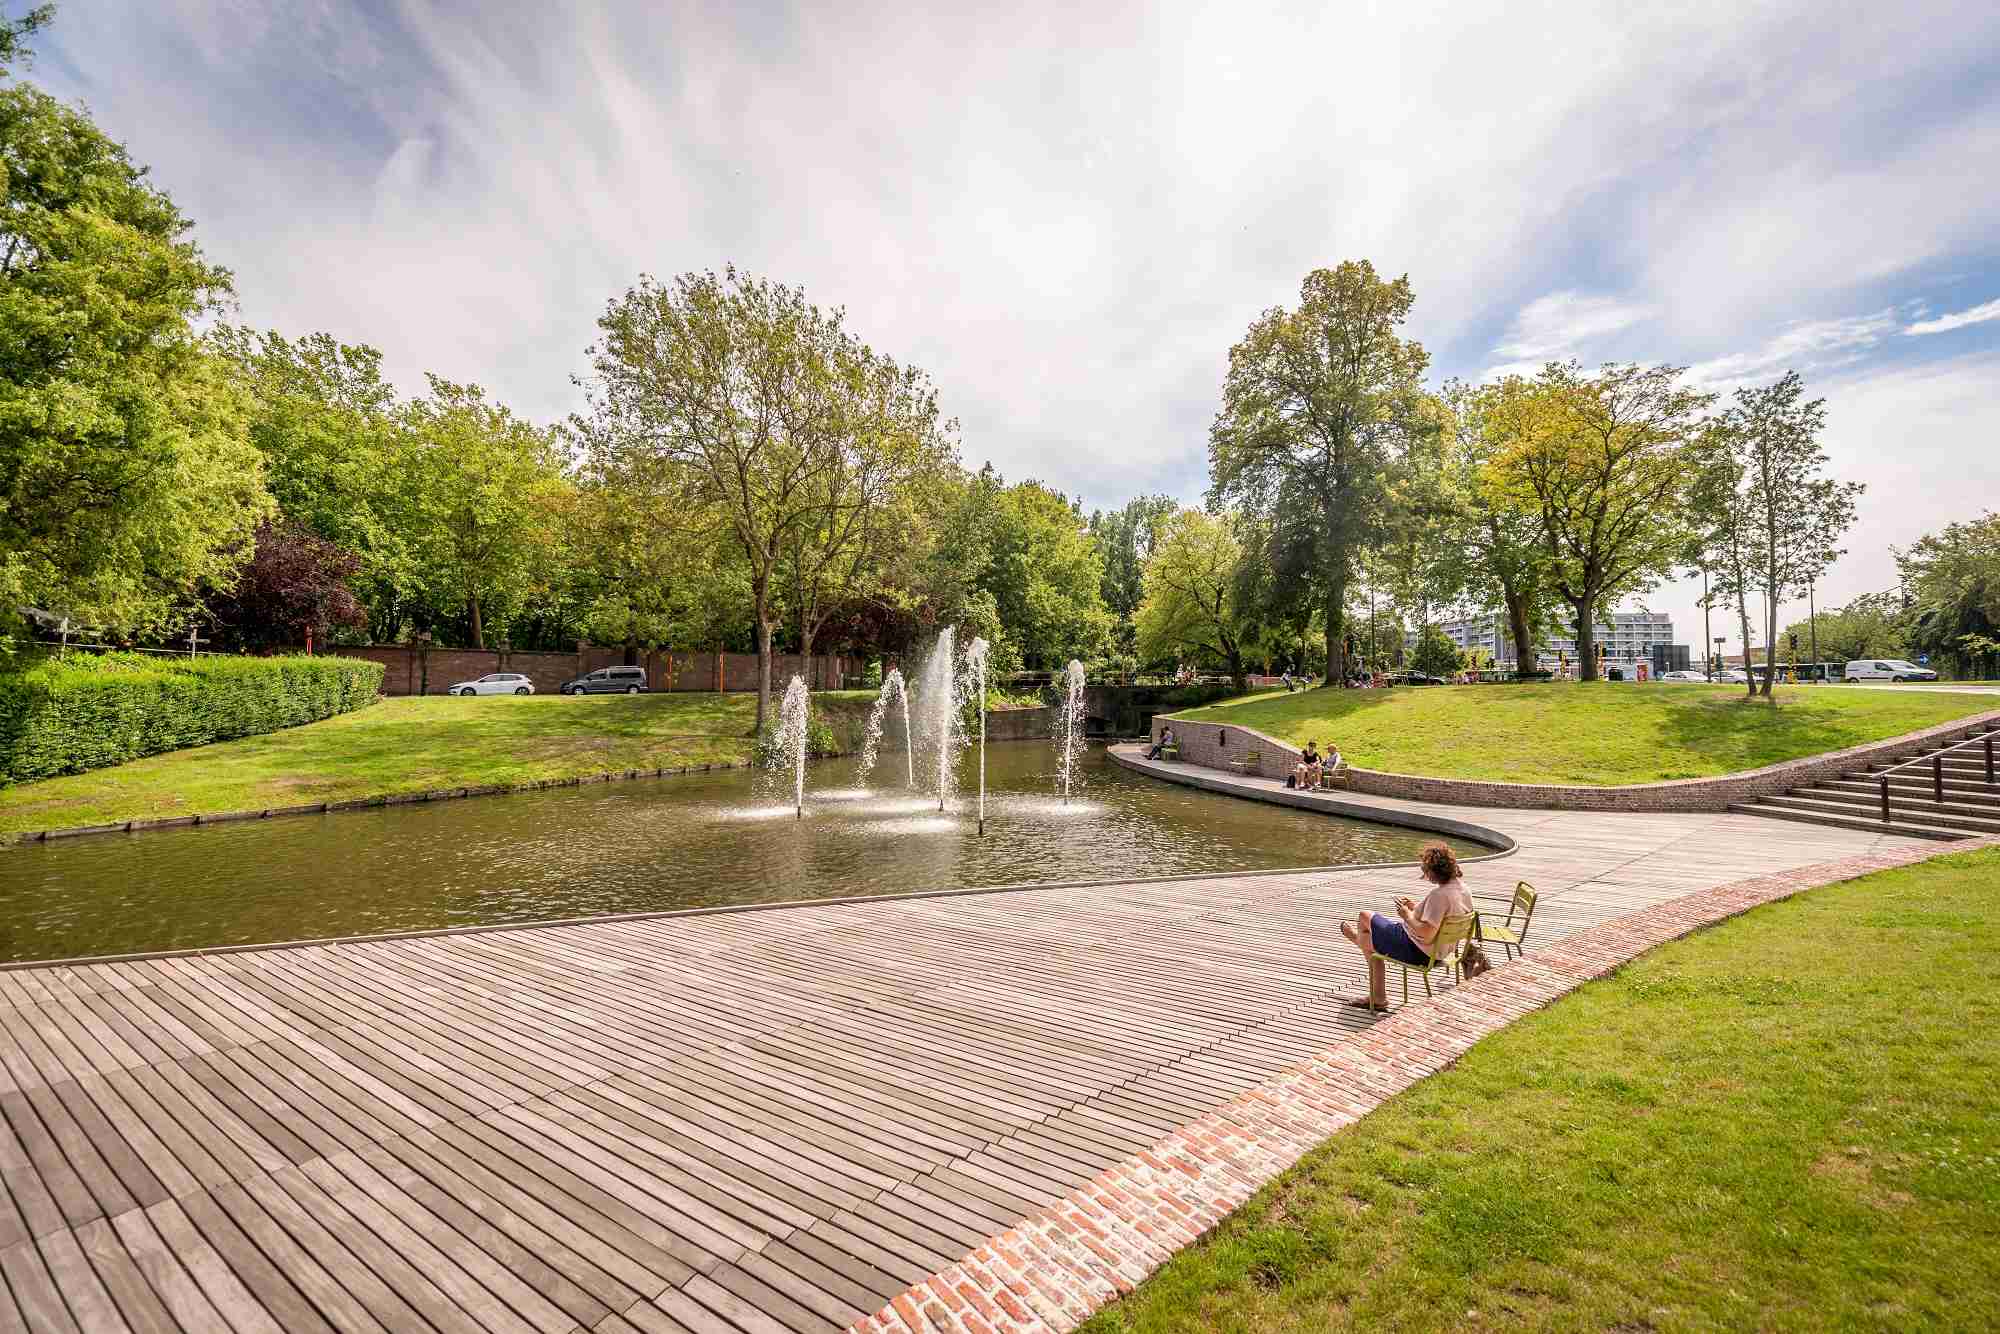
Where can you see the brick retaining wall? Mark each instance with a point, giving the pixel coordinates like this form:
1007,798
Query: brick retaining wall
404,667
1217,744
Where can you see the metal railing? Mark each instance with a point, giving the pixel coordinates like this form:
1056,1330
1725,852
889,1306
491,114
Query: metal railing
1936,762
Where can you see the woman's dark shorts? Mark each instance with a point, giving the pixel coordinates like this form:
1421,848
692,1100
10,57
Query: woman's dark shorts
1392,940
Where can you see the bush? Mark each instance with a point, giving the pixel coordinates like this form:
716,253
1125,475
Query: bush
88,712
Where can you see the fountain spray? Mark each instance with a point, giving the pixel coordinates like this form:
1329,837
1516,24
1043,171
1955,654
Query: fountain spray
975,666
940,683
892,684
1069,726
791,739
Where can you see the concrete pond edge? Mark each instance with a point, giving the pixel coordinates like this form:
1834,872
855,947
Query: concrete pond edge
1204,740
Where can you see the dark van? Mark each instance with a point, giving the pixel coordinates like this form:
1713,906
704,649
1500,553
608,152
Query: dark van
608,681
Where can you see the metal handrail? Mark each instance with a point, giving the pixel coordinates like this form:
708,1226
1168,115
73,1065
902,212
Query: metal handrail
1936,762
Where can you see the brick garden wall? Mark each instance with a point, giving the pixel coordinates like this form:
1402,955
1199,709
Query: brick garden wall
403,667
1216,745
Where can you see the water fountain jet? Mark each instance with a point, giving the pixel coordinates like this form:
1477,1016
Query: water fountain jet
892,684
975,669
1069,726
940,696
790,742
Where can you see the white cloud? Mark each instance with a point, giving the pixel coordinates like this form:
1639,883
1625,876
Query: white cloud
1066,215
1946,323
1803,345
1557,325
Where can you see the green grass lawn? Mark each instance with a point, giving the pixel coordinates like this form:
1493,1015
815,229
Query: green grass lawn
1598,733
1791,1121
408,745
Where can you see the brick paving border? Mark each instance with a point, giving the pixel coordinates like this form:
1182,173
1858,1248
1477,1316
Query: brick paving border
1055,1268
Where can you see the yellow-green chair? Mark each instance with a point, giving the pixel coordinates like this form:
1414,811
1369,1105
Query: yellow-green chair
1507,934
1446,951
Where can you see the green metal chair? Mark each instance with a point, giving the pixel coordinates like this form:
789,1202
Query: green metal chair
1446,950
1507,934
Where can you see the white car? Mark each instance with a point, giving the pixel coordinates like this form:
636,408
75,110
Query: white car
1888,669
1683,676
495,683
1734,676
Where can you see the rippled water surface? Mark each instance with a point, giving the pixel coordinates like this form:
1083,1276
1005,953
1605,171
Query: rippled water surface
690,842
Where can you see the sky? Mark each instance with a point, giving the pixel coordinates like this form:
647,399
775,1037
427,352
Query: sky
1067,215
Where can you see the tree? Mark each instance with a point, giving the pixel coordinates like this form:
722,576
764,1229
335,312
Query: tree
1795,514
1124,540
1605,462
126,481
730,384
891,440
293,587
1317,404
1500,538
1954,577
338,457
1046,577
489,486
1189,604
1870,626
1727,541
14,31
1435,654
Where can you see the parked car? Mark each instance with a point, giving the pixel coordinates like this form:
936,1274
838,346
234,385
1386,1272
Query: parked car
1683,676
1734,676
1888,669
608,681
495,683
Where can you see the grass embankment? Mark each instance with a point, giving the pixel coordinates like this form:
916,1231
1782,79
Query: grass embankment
1790,1121
411,745
1601,733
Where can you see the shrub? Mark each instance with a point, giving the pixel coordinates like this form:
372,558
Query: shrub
88,712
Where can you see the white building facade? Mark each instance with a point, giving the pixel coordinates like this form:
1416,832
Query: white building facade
1628,638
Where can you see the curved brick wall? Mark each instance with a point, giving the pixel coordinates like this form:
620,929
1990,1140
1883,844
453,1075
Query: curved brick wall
1217,745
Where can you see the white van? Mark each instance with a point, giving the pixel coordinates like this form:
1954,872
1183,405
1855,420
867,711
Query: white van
1888,669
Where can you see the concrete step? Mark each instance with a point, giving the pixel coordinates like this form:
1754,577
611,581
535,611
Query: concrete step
1871,800
1914,812
1848,822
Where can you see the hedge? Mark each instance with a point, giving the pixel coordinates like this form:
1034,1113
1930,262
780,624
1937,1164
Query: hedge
89,711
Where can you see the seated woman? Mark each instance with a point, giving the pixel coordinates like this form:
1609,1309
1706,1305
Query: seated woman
1406,937
1159,747
1329,765
1305,774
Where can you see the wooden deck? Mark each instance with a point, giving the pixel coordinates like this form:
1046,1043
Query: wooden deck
752,1122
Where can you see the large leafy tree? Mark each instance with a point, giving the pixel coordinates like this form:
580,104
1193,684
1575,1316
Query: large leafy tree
1191,582
490,488
1318,404
126,480
1500,539
1124,538
1606,463
338,457
293,588
1046,577
729,388
1953,575
1792,513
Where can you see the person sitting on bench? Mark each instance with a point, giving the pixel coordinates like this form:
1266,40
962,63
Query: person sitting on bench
1165,742
1305,774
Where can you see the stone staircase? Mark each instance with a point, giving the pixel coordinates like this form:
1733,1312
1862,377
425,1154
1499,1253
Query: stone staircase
1971,805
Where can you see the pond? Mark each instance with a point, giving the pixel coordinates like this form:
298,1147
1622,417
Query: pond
689,842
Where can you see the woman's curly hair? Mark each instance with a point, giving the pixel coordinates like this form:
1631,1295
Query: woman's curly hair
1439,864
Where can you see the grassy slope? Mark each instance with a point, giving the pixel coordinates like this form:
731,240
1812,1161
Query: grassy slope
1790,1121
1600,733
407,745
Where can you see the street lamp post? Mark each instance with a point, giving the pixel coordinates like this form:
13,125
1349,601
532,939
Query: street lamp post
1812,620
1707,630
